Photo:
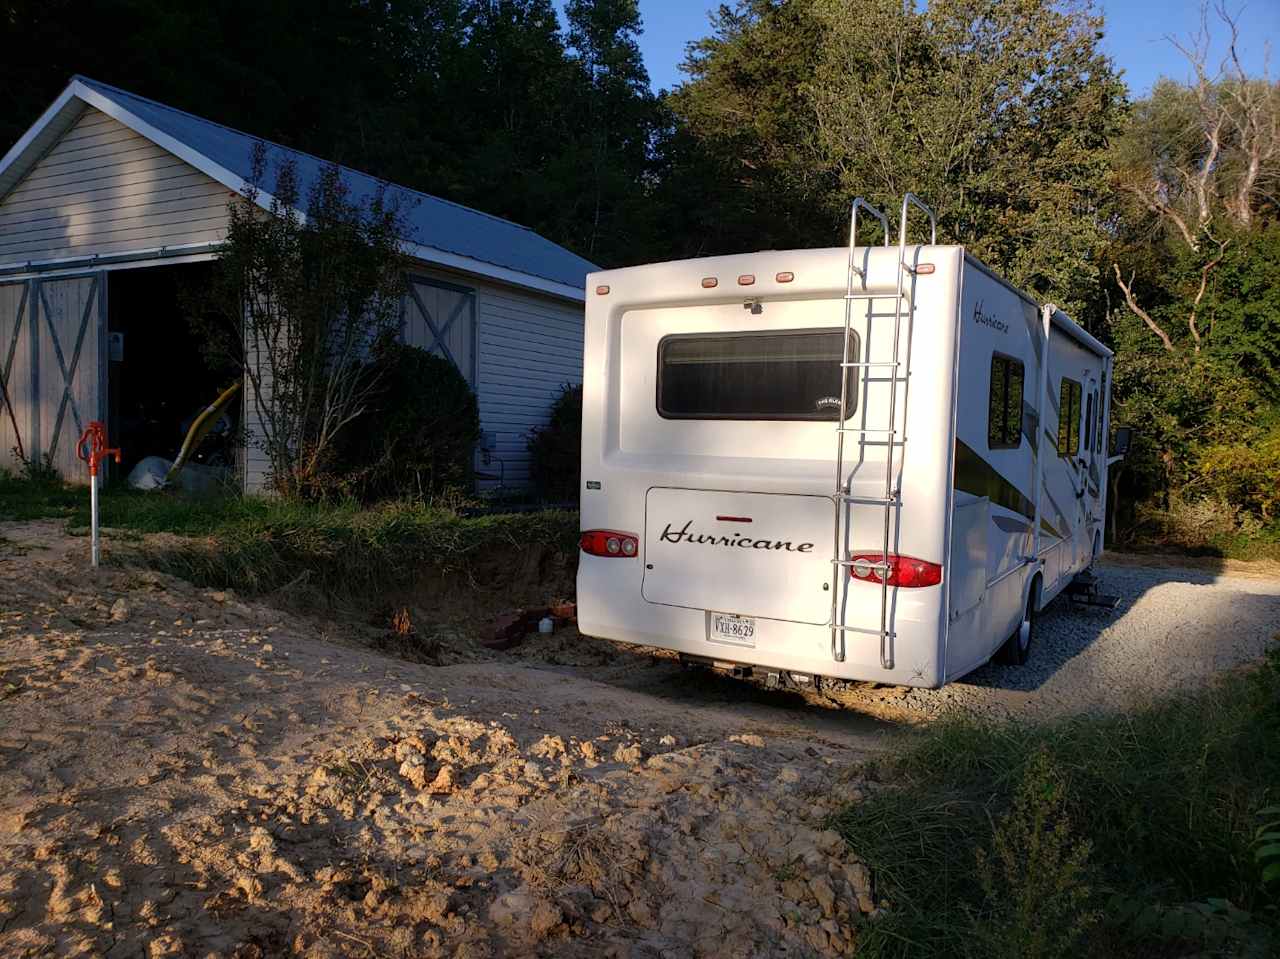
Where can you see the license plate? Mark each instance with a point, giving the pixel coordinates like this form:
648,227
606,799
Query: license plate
739,630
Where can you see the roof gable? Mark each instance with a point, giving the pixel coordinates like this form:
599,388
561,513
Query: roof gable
440,231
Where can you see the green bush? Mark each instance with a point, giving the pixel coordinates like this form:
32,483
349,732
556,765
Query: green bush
555,450
418,438
1125,836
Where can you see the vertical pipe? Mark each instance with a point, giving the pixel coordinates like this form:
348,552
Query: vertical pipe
93,514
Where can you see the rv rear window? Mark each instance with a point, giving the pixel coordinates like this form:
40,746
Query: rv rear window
774,375
1069,418
1004,409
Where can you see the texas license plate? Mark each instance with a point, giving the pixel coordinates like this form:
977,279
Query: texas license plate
739,630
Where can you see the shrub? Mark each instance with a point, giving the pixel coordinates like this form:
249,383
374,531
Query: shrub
555,450
1123,837
418,438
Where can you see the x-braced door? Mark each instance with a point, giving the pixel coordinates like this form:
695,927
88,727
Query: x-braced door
68,317
441,318
15,373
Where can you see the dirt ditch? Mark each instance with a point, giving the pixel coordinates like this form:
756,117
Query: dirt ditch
183,772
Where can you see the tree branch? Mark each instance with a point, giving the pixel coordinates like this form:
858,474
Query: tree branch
1139,311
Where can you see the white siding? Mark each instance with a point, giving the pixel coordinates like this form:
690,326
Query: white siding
529,347
105,189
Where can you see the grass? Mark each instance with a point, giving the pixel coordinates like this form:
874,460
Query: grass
1128,836
256,544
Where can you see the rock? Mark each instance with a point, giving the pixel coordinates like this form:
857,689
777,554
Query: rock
120,610
789,775
829,841
794,890
444,782
548,747
590,751
628,754
640,912
748,739
218,596
414,744
667,740
824,894
546,916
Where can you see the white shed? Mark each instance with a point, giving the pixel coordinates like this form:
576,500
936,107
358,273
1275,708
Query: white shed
110,200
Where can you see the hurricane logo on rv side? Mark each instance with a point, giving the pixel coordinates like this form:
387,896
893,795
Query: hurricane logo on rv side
735,541
989,319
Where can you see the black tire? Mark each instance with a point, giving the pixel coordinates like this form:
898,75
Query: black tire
1017,648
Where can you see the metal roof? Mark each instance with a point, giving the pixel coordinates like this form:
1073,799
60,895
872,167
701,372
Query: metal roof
440,232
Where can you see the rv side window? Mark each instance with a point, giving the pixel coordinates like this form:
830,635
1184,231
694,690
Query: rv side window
1097,433
1004,406
1069,418
1088,423
773,375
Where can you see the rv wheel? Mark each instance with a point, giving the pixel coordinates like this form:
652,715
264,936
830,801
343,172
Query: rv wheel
1017,647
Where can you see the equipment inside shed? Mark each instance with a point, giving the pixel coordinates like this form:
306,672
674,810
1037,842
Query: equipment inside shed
158,376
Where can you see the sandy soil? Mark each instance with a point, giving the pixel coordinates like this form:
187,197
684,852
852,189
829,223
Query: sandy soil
186,773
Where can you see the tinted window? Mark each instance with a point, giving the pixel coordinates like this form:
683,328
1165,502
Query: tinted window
1088,423
1069,418
778,375
1004,408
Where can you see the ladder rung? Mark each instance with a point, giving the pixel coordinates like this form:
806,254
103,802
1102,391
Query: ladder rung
863,629
875,296
872,500
861,429
852,365
883,567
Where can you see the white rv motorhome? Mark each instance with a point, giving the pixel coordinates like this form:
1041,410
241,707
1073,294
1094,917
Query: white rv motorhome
872,463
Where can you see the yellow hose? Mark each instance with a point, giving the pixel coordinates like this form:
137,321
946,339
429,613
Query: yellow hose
200,428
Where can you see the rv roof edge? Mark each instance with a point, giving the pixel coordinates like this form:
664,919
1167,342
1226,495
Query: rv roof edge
1077,332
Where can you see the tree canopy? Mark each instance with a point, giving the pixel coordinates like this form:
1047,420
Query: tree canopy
1153,222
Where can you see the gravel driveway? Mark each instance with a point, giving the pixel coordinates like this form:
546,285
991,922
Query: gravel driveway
1174,628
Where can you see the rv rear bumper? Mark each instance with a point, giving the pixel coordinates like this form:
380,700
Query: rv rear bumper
610,606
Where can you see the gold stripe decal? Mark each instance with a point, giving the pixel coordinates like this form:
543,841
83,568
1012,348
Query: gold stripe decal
975,475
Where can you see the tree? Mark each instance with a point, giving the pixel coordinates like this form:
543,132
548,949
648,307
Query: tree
297,304
998,113
1196,163
618,124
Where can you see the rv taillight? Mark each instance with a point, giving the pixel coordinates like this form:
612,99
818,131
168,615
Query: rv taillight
902,570
609,543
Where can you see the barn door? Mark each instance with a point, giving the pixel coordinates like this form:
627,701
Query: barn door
441,318
15,373
68,315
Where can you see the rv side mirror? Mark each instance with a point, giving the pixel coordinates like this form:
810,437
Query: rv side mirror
1121,439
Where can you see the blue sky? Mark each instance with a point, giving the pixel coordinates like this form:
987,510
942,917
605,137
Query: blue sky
1134,36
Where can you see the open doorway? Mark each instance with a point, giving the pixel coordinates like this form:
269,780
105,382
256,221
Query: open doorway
158,378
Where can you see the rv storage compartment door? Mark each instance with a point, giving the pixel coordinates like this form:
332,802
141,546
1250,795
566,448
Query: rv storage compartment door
754,554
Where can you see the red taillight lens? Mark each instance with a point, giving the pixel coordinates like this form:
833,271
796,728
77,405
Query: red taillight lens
902,570
610,543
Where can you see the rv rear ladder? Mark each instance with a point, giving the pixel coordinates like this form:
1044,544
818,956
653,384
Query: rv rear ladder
892,498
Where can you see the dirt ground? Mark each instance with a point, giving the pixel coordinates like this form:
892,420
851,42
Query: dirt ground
183,772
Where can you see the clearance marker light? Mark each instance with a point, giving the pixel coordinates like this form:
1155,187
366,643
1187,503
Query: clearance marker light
785,277
923,269
709,282
746,279
602,290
